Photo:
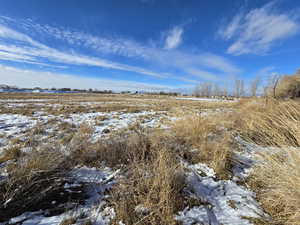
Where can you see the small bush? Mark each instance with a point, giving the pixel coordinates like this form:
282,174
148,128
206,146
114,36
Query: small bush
289,86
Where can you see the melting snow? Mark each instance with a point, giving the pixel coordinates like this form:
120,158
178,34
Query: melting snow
225,202
205,99
11,124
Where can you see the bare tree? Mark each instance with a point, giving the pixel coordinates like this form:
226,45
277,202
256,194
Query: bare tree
239,88
203,89
254,86
217,92
273,83
225,91
197,91
242,93
206,89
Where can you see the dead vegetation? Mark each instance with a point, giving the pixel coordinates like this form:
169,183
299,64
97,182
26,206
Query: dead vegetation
151,192
36,182
289,86
11,153
151,188
65,104
276,178
210,139
274,124
277,182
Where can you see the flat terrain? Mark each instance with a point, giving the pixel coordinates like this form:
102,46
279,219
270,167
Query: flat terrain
126,159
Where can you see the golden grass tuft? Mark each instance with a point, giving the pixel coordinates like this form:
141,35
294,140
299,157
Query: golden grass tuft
210,137
152,192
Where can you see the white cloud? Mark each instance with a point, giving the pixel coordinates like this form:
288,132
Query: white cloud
265,71
31,78
34,52
14,57
219,63
258,30
38,50
203,74
231,29
131,48
174,38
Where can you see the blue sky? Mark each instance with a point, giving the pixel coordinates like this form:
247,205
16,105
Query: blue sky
146,44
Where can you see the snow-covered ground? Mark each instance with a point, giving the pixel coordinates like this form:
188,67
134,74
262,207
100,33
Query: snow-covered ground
225,202
15,124
204,99
12,124
26,100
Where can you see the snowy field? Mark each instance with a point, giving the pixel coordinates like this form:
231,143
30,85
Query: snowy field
204,99
31,123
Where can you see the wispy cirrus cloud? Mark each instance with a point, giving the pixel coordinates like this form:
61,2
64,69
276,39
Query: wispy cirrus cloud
130,48
266,71
23,41
259,29
174,37
203,74
32,51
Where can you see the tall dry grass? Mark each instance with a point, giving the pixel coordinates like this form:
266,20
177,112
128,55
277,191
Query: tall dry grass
277,179
34,182
151,193
274,124
210,137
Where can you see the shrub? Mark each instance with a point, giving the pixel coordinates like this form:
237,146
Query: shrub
289,86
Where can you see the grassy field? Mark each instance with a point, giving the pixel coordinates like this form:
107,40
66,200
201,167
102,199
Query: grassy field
145,159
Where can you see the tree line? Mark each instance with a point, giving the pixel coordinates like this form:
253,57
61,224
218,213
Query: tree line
276,86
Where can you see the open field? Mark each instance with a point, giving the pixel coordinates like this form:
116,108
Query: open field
145,159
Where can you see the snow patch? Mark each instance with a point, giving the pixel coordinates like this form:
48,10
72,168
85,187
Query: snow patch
224,201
